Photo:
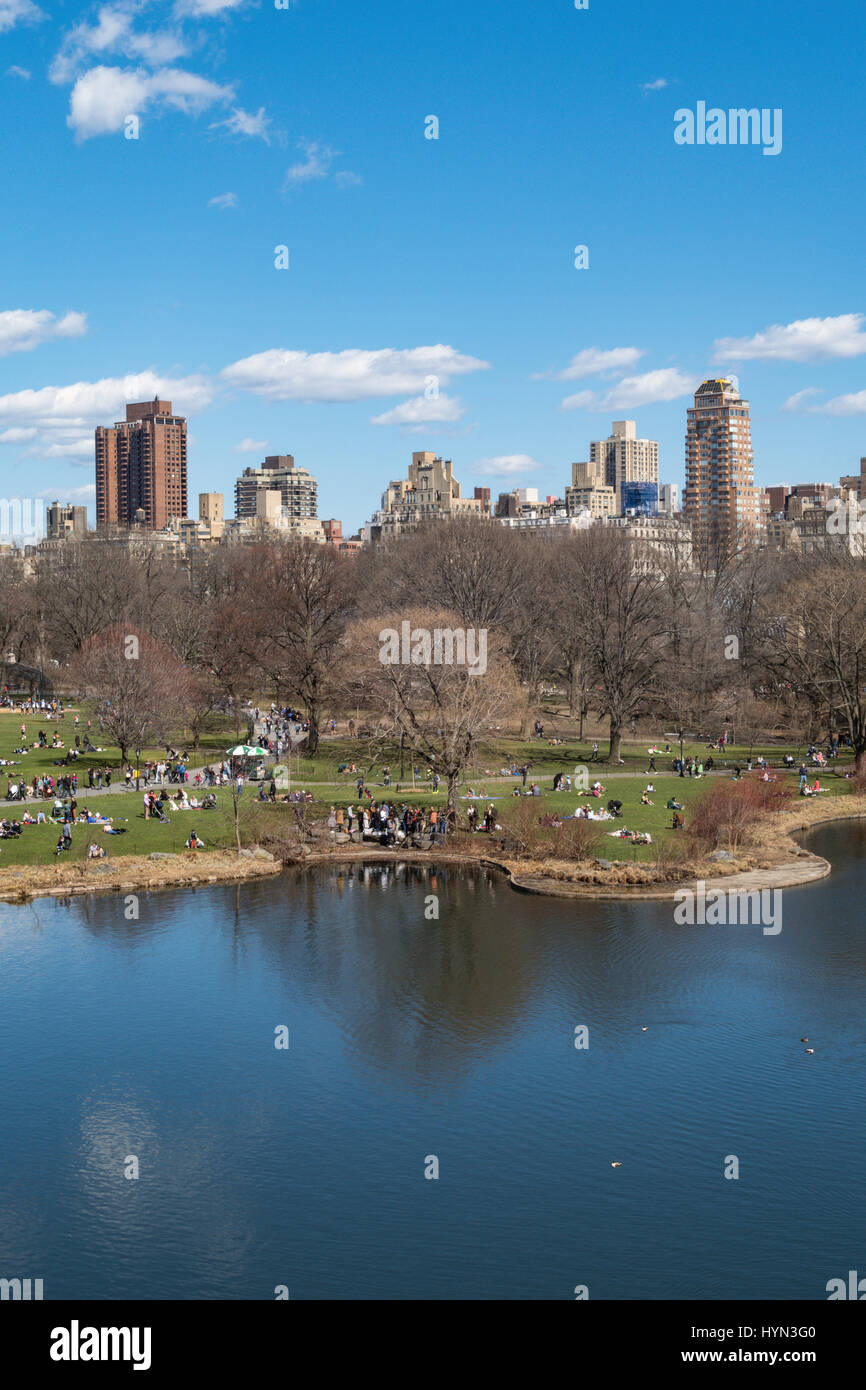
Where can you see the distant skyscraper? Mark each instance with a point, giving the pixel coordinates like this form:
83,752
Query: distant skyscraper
720,499
623,458
297,489
141,467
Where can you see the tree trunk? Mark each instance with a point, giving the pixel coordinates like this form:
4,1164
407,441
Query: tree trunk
453,793
614,753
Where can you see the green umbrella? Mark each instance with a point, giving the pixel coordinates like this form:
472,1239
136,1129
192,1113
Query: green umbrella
243,750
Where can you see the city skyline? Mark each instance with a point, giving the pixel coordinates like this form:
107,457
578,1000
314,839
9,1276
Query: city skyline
470,332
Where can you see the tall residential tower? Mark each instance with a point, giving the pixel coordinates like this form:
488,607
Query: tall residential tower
720,499
141,467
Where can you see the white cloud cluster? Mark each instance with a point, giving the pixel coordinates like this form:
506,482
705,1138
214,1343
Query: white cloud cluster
352,375
803,340
113,33
14,12
647,388
595,361
103,98
853,403
223,201
316,165
106,91
244,123
58,421
21,330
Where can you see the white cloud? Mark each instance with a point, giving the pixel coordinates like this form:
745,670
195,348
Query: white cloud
590,361
421,411
344,178
505,465
223,201
21,330
15,71
242,122
206,9
251,446
83,494
353,375
795,403
583,400
316,165
664,384
113,33
103,98
81,448
14,12
852,404
17,436
654,86
801,341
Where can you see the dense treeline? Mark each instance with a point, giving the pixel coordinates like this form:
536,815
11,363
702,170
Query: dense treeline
765,642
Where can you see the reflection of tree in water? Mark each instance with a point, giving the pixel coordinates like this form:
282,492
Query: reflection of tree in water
418,997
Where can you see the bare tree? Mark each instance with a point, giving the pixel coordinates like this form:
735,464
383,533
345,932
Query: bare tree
135,682
815,638
613,603
299,598
440,711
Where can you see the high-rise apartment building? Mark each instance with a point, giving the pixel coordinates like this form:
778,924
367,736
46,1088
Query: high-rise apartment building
623,458
720,499
297,488
141,467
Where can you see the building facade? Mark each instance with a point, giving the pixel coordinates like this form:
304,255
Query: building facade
430,493
141,467
720,500
296,486
623,458
64,522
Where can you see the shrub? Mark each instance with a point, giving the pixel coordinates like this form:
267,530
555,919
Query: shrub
724,815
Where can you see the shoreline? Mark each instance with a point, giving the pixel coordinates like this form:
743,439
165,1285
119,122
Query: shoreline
796,868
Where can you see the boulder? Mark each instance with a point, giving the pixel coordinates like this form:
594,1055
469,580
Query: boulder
603,863
722,856
161,854
259,853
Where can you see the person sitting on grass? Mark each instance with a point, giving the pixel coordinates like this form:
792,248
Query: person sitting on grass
194,842
674,805
644,798
96,852
678,821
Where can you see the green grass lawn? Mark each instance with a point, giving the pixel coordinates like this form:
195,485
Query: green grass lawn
37,843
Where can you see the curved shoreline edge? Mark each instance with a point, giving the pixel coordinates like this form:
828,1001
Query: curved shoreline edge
137,873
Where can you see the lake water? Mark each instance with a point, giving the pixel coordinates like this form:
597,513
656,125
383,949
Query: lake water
411,1037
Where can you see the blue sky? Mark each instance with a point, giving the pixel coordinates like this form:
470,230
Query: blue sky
131,266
